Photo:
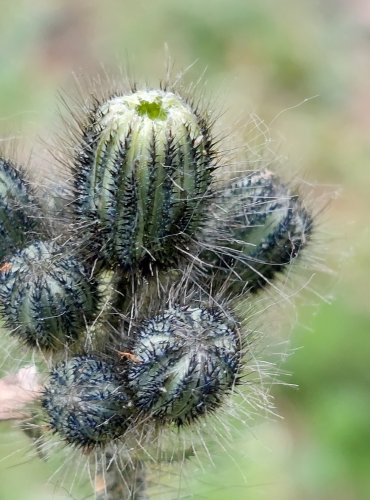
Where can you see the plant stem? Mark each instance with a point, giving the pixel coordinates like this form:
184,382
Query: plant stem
122,481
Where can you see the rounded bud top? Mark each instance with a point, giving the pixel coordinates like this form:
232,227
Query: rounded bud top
146,110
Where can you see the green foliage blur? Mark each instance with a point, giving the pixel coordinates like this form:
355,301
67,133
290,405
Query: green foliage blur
303,68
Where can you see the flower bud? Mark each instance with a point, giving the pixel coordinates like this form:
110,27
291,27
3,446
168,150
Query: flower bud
46,296
20,219
85,402
184,363
257,227
142,176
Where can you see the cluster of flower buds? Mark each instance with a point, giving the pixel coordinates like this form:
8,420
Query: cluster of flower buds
143,203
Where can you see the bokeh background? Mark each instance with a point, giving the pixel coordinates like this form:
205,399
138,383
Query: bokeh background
301,66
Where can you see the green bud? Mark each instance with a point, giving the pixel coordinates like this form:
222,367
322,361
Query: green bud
20,220
85,401
142,176
257,227
46,296
185,361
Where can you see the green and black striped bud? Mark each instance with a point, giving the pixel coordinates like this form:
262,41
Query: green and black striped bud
142,178
46,296
20,220
85,402
257,227
183,363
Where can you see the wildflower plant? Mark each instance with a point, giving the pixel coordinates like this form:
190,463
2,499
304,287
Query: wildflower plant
132,294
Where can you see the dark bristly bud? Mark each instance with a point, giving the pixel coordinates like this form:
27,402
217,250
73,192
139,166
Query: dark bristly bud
20,220
85,402
183,363
46,296
257,227
142,177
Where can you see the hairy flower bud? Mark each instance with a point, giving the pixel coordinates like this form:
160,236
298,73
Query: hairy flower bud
142,176
257,227
85,401
46,296
19,216
184,362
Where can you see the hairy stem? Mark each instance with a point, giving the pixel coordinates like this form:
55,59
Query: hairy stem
122,482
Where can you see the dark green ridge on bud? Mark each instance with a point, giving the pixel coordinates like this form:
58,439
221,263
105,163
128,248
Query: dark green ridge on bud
184,363
257,227
20,220
142,178
46,296
85,402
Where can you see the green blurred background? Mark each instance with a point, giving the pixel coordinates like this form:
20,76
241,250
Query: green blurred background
303,67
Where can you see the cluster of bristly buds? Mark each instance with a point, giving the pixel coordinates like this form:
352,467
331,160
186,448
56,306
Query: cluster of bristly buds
132,294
